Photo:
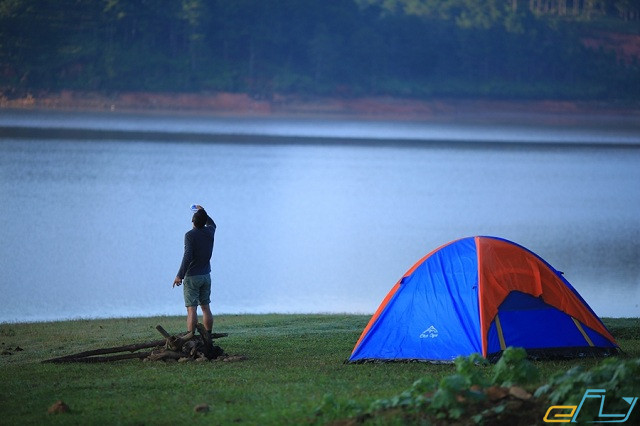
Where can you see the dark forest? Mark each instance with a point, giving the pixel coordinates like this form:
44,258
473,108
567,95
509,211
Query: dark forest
509,49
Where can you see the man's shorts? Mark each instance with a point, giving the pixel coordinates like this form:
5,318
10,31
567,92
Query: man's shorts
197,290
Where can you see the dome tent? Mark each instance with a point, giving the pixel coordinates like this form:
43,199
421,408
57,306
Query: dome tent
481,294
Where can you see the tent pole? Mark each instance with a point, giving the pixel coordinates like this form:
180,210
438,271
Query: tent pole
503,346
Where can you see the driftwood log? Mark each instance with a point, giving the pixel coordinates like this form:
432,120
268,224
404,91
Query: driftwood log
185,345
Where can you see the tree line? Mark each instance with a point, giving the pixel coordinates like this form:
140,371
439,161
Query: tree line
420,48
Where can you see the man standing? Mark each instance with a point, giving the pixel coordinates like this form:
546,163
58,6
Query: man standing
195,269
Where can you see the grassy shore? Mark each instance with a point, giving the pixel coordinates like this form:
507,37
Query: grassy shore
293,361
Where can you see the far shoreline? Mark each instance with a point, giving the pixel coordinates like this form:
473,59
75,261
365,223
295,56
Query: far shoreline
552,112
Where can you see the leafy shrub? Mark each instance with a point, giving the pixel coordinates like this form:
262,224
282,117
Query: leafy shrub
465,393
513,368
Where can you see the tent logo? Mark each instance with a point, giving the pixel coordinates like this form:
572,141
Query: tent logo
429,332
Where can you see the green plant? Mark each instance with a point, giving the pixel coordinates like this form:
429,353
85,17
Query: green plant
513,367
455,392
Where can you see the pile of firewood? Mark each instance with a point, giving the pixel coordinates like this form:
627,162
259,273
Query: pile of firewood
187,347
181,347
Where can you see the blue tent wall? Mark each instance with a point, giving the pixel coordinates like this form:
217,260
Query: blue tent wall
440,295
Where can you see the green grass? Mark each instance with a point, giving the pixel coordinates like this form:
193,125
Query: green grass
293,362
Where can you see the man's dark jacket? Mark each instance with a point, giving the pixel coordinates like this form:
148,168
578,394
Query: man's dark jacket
198,246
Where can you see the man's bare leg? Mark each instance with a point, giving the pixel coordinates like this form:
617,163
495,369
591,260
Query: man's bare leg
192,318
207,317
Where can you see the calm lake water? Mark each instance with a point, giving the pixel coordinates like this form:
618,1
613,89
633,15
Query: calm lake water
313,215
